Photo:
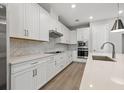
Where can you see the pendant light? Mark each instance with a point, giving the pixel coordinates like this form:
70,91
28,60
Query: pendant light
118,25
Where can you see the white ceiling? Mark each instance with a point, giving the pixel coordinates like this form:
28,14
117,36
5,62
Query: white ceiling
83,10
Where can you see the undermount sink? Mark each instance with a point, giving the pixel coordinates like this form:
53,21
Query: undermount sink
102,58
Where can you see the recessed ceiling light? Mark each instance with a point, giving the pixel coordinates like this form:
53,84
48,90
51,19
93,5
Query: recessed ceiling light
91,17
73,6
120,11
90,85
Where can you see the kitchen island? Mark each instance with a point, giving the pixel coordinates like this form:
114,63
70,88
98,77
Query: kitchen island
103,75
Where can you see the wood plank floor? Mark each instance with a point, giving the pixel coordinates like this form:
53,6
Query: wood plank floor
68,79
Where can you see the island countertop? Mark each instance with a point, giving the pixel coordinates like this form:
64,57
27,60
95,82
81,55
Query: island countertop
103,75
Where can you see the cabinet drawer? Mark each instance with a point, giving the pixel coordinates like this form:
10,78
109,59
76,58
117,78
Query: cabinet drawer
28,64
24,65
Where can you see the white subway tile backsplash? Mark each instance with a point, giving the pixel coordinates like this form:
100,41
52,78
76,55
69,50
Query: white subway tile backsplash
20,47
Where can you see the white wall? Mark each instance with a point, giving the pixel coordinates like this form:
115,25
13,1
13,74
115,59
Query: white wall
123,43
101,32
116,38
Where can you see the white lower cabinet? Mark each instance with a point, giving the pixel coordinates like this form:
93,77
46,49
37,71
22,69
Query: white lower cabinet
62,60
28,76
68,57
34,74
23,80
50,69
58,62
41,74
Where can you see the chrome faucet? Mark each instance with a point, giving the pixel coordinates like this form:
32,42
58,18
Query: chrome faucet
113,50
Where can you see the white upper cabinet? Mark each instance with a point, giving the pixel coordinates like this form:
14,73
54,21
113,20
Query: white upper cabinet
58,26
28,21
32,20
16,20
52,24
65,39
45,23
55,25
83,34
73,37
67,33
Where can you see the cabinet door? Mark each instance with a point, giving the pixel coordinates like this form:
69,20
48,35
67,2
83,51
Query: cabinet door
79,35
65,35
68,36
83,34
32,20
16,19
22,80
52,23
50,68
58,26
58,63
67,58
73,37
63,38
100,35
44,25
70,57
41,74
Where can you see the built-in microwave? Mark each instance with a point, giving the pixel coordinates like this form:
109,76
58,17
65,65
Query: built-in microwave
82,43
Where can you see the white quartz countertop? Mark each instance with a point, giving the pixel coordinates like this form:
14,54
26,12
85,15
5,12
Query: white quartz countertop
19,59
103,75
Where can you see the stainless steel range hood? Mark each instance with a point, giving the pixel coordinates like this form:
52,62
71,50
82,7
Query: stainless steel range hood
55,34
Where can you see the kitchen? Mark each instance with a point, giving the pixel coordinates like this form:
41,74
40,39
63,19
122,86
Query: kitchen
62,46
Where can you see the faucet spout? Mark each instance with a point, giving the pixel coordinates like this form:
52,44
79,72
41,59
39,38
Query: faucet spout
113,48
